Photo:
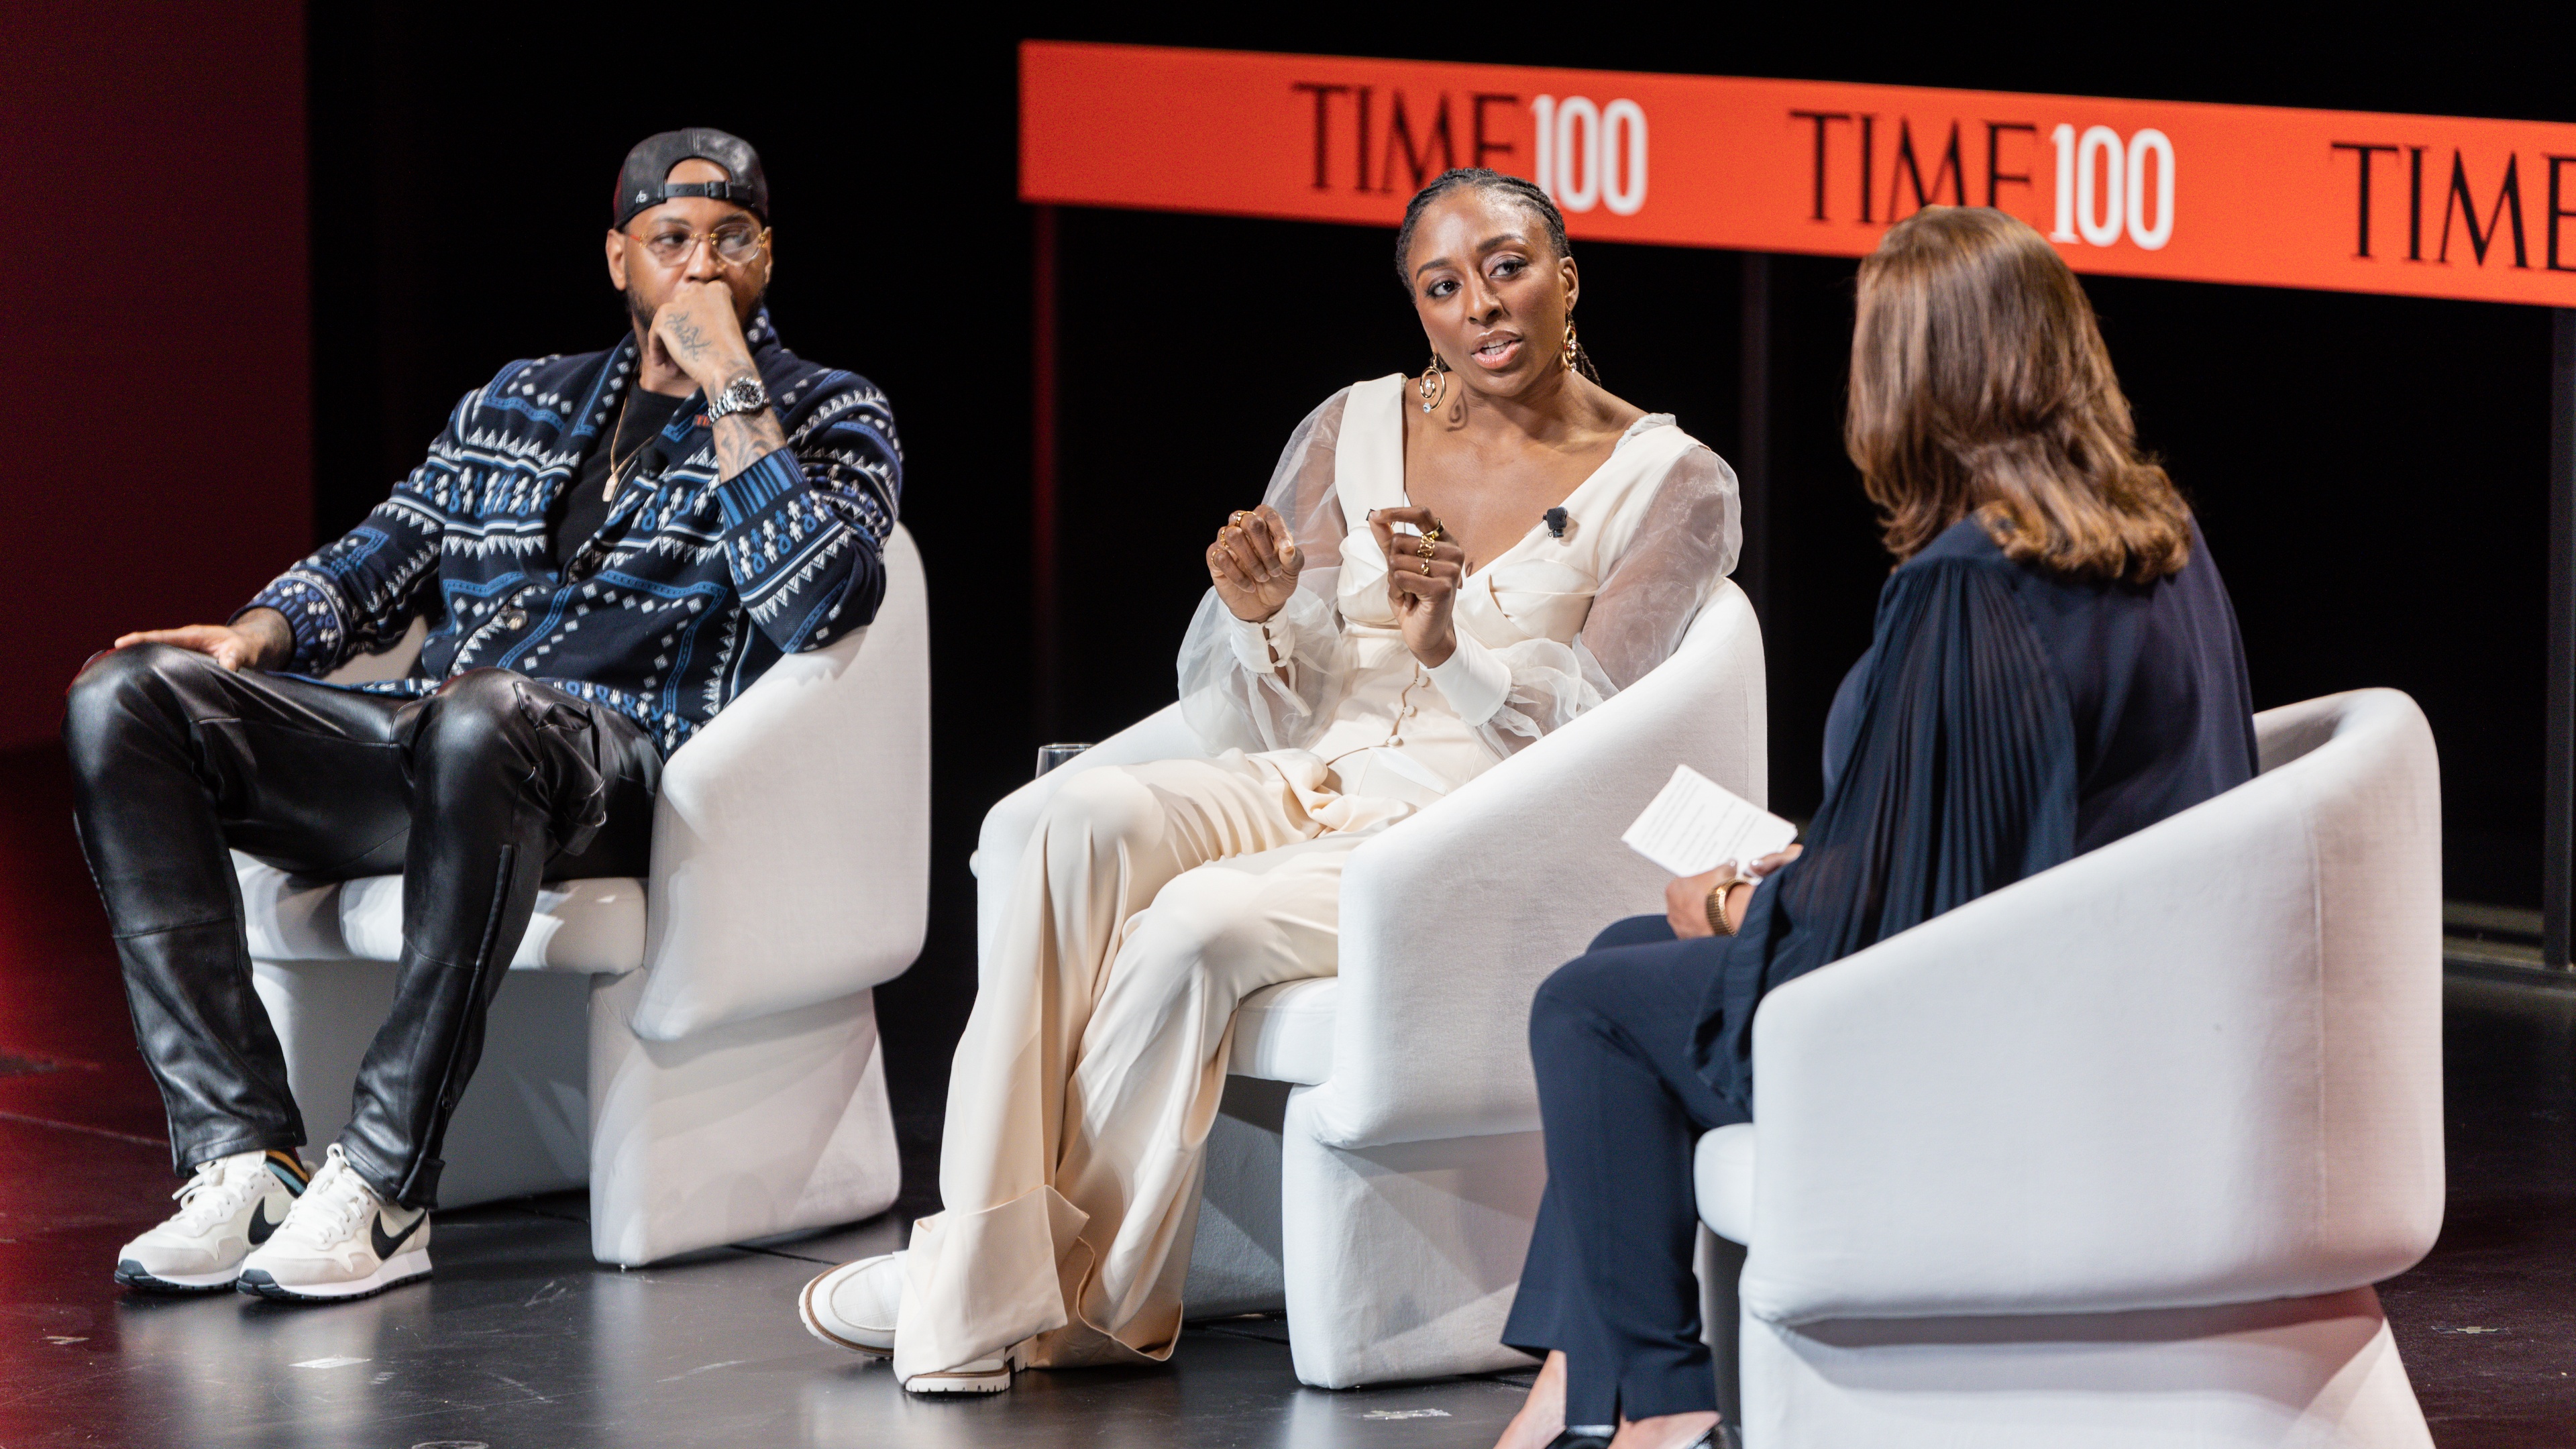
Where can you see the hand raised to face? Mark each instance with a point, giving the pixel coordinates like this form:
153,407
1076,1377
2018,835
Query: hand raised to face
1254,564
1423,572
697,330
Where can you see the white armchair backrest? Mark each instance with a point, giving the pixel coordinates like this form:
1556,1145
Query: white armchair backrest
1451,919
791,839
2199,1065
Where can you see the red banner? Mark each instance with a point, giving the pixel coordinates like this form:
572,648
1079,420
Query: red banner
2350,201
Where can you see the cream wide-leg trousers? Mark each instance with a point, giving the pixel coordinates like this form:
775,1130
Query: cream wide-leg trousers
1151,900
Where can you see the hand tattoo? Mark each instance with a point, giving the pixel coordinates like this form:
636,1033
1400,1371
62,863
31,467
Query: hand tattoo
687,337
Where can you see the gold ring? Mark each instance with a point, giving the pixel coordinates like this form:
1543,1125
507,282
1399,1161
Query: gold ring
1237,516
1426,548
1426,568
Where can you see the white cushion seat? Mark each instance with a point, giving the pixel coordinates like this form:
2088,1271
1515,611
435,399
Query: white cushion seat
591,926
1722,1172
1284,1033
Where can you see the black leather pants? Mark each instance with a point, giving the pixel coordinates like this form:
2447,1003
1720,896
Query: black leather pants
475,794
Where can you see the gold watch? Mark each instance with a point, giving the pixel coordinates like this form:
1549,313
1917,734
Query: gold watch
1717,901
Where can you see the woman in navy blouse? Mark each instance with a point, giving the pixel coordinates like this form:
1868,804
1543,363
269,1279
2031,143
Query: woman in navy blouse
2055,664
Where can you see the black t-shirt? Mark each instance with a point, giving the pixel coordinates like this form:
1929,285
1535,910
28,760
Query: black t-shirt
583,507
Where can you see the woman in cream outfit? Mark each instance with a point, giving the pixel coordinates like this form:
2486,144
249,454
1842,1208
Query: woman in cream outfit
1407,607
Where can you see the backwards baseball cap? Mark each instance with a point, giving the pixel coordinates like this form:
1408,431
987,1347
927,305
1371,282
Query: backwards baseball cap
640,182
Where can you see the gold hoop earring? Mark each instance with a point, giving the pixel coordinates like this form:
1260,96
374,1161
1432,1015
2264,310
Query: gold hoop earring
1575,357
1434,384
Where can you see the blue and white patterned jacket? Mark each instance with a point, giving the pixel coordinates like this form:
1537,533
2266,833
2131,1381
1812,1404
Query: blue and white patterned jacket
695,586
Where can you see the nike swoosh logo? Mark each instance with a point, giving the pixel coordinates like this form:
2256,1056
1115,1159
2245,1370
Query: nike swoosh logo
386,1247
260,1226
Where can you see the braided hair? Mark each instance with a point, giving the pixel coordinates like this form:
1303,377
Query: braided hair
1457,178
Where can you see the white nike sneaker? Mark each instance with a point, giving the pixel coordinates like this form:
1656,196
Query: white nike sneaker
854,1305
339,1241
230,1207
981,1376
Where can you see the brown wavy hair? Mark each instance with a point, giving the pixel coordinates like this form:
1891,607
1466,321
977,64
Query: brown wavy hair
1980,386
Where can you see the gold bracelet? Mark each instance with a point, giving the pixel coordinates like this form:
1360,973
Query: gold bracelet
1717,905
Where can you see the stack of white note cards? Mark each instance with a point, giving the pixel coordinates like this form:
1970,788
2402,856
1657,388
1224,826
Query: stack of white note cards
1697,825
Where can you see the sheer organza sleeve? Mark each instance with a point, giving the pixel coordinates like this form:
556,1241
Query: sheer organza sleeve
1232,693
1686,543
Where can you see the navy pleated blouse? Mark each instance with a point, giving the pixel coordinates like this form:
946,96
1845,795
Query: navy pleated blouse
2005,719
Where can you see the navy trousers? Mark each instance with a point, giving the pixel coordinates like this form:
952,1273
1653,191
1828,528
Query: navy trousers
1609,1273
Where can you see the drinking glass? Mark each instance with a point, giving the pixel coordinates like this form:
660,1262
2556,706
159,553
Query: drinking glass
1050,756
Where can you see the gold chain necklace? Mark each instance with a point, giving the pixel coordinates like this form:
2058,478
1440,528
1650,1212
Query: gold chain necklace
608,490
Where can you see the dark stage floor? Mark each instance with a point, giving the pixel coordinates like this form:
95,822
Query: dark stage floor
522,1340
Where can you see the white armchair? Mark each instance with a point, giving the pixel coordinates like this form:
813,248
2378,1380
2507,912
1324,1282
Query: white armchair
1377,1167
700,1049
2113,1156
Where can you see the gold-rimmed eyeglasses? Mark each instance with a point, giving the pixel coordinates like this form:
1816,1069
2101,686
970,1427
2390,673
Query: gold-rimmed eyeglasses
736,243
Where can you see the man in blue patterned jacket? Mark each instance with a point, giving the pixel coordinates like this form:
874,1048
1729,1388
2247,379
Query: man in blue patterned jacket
610,548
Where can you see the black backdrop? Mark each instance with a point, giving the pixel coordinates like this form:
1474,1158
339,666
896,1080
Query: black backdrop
2369,470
